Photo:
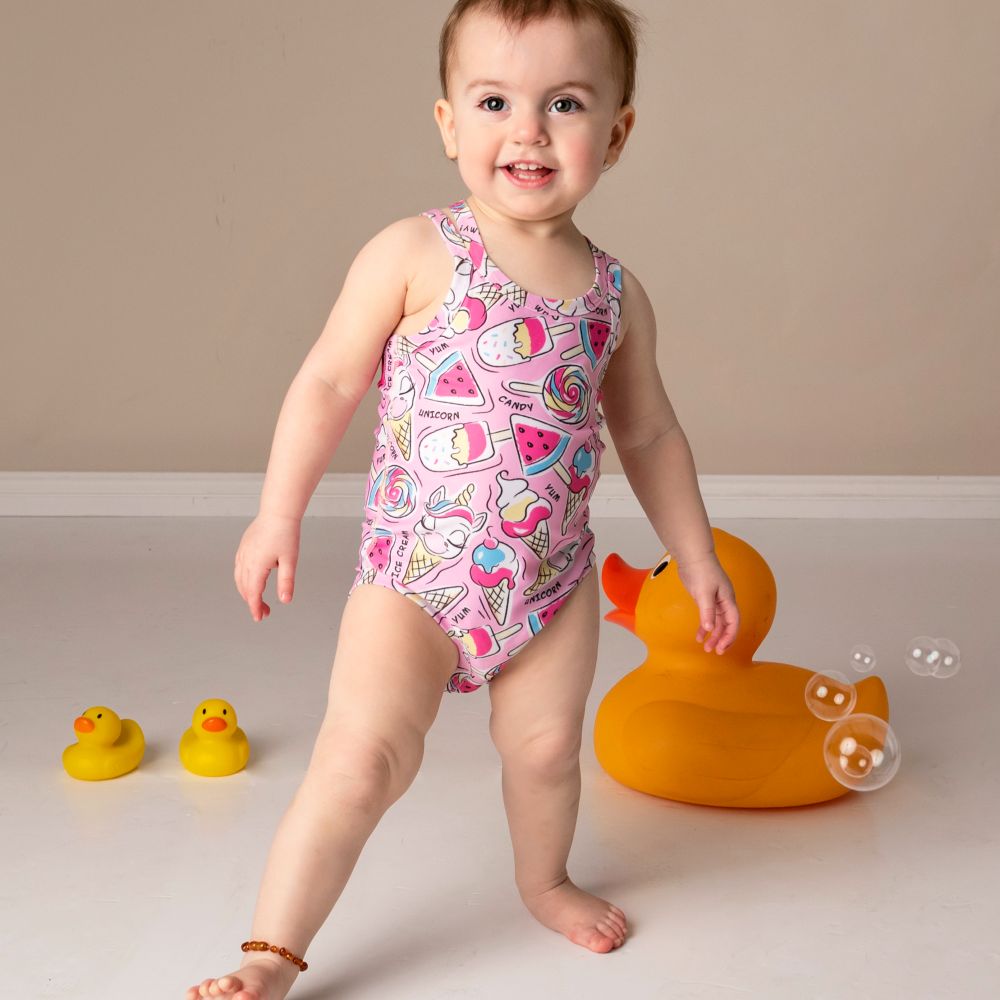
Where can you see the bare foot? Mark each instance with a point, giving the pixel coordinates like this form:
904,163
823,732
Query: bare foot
585,919
259,978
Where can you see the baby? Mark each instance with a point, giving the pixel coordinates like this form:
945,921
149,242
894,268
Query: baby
500,329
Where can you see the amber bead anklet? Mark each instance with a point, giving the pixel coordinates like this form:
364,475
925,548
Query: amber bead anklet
283,952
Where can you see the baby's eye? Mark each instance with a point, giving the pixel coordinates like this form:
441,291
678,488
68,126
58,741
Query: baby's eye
487,99
566,100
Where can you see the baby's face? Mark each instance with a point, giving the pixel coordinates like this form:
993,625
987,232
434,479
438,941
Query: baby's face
553,98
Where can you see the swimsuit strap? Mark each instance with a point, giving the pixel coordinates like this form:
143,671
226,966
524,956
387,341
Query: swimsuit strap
454,239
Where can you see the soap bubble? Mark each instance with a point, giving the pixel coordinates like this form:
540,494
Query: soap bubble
862,752
830,695
863,658
951,659
922,655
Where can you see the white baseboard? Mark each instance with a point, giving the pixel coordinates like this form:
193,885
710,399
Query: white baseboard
226,494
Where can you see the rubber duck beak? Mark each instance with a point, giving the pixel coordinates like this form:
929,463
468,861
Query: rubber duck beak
84,725
623,584
214,725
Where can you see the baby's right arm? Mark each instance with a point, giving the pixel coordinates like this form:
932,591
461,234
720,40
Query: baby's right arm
320,402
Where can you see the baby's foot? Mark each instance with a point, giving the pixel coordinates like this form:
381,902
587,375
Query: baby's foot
585,919
259,978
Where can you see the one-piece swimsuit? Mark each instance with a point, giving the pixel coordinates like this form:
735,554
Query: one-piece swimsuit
487,450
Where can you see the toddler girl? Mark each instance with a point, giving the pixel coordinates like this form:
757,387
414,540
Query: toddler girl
476,560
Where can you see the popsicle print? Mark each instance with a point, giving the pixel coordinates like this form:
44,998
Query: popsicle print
518,340
459,445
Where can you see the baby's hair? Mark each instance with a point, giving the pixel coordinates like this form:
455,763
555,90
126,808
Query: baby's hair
621,23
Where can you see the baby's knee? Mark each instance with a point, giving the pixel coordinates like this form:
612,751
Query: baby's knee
364,767
551,754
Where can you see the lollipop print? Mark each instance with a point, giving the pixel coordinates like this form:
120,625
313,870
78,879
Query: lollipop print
565,392
398,492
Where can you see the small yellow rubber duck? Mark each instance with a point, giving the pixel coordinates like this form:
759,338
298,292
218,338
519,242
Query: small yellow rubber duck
215,745
108,746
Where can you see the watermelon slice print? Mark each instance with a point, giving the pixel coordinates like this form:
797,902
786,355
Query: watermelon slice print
595,336
539,445
378,551
451,381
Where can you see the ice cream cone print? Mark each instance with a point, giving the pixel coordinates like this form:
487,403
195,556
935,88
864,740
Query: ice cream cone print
545,573
552,566
524,514
402,433
399,411
490,292
439,598
421,562
405,346
498,599
515,294
538,540
495,568
573,501
578,478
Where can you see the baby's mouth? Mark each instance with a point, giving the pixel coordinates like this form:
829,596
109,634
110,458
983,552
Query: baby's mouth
541,172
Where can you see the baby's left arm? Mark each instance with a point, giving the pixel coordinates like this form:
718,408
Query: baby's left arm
658,464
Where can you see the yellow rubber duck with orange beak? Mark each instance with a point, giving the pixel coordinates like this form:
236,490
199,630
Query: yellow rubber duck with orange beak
713,730
215,745
107,746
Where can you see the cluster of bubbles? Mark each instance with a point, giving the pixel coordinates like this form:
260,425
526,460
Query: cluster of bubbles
861,751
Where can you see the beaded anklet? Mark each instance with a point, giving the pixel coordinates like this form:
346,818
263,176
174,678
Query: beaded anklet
284,953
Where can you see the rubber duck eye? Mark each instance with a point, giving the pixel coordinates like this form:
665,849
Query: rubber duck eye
99,714
661,567
224,711
204,711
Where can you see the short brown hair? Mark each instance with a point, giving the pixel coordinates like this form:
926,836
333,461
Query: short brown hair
621,23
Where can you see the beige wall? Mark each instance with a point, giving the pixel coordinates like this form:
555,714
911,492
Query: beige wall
811,196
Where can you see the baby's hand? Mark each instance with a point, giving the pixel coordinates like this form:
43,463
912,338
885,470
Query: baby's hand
271,540
707,583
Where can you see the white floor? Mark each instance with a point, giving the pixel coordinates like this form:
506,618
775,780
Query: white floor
140,886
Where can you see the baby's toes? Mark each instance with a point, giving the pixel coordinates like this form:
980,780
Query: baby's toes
608,929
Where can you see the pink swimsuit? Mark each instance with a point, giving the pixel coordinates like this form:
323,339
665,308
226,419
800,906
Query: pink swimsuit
487,450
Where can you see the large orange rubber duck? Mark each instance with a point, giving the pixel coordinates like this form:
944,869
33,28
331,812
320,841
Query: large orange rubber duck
708,729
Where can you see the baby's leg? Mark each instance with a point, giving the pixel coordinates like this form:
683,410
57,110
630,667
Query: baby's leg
389,675
538,702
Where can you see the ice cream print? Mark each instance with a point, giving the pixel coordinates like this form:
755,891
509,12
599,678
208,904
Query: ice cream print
496,569
487,452
443,531
524,514
398,415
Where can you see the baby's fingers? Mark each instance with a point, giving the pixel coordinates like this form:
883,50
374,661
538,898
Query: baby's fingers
255,593
730,615
286,578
